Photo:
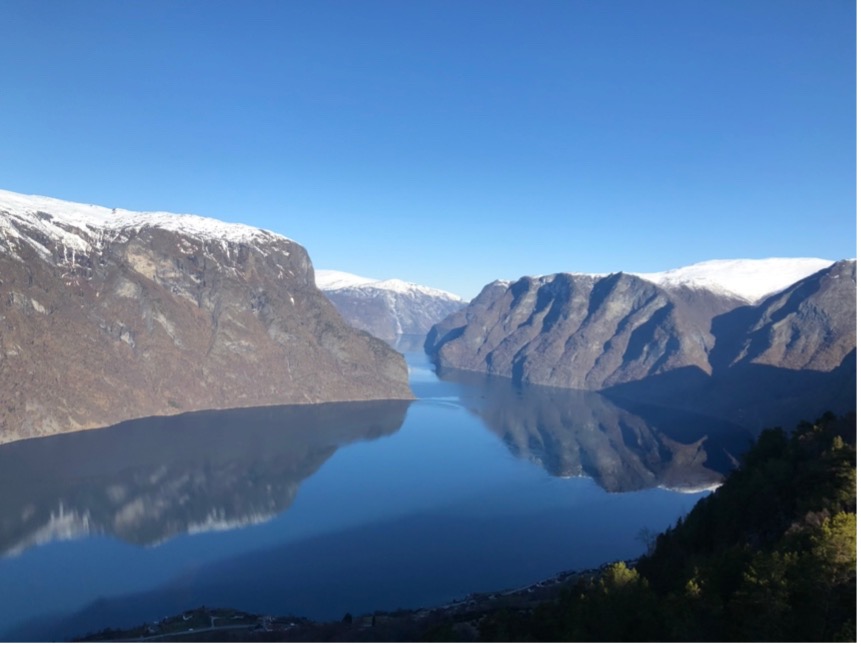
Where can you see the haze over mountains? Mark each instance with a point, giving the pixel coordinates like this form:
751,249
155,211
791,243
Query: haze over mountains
110,315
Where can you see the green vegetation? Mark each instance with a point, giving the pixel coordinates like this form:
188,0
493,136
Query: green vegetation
770,556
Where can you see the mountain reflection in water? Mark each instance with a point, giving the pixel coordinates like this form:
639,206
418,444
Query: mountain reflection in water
583,433
147,480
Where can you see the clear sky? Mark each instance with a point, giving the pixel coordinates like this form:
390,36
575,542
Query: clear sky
449,143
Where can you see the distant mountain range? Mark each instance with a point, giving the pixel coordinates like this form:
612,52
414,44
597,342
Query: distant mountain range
387,309
768,331
108,315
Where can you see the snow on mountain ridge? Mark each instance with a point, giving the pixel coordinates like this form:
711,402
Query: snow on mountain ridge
336,280
81,226
743,278
749,279
331,280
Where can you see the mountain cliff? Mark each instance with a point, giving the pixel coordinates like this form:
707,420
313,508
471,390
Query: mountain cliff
671,332
387,309
108,315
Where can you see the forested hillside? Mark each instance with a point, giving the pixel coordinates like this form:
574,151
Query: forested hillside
770,556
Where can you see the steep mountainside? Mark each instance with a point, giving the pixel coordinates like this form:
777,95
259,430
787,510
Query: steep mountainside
669,341
109,315
580,331
387,309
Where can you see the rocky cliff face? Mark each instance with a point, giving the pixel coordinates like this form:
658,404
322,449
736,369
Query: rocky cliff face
108,315
387,309
685,345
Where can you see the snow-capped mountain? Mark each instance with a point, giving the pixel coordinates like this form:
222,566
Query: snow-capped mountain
387,309
108,315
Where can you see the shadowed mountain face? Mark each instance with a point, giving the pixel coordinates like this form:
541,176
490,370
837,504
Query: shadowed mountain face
582,433
754,396
109,317
809,326
147,480
790,356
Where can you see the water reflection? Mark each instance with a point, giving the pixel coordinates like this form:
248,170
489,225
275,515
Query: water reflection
582,433
147,480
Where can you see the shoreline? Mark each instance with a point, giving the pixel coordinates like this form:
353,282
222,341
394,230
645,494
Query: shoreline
203,624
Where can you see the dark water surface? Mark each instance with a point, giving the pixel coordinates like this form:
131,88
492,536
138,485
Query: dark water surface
323,510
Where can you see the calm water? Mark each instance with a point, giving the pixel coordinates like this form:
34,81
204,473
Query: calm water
319,511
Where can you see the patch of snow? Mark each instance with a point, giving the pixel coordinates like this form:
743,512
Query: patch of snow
403,287
750,279
335,280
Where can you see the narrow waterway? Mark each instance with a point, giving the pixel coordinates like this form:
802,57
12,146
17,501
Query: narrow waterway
319,511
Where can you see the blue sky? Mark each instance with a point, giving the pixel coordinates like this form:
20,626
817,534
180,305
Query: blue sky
450,143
